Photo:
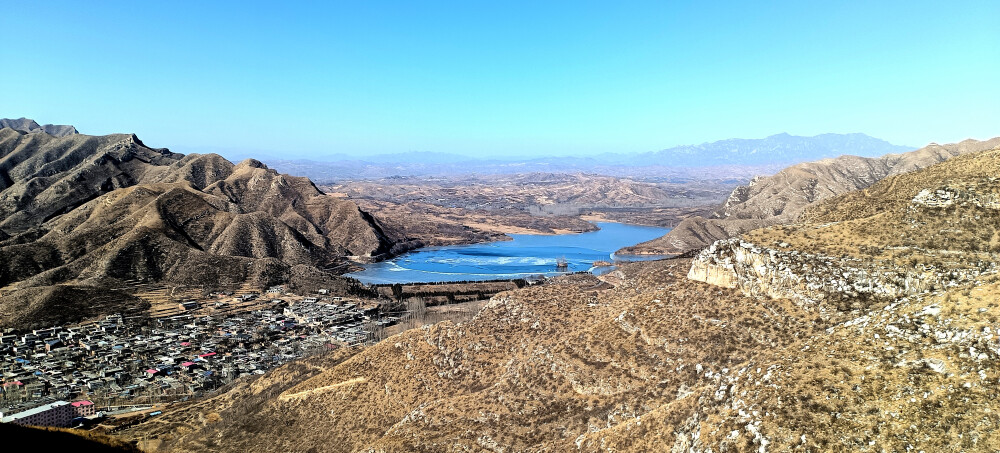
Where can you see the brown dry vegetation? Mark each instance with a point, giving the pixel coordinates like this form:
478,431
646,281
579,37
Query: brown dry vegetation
661,217
540,192
886,223
81,211
436,225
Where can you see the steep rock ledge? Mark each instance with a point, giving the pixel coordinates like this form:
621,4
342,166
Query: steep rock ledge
808,278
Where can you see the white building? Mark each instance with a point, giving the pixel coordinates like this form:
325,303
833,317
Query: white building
59,413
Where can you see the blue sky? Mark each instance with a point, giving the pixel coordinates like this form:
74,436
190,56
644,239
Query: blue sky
501,78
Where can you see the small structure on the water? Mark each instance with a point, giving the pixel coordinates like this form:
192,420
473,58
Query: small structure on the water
562,265
602,263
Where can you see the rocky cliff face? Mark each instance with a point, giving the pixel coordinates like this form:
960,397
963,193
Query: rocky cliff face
810,278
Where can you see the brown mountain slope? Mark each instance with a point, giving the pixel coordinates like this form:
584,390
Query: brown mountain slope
44,306
329,222
779,199
953,206
156,233
437,225
538,193
42,176
85,210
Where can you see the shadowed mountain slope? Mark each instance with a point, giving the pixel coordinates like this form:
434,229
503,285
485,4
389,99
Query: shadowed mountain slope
780,198
60,439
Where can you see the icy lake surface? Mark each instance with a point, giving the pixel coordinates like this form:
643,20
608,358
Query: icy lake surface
524,256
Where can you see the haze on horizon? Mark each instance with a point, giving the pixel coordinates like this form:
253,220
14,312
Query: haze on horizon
510,78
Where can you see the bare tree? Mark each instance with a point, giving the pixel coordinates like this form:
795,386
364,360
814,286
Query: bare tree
416,311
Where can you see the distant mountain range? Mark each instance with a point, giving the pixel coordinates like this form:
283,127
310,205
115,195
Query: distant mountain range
726,159
776,149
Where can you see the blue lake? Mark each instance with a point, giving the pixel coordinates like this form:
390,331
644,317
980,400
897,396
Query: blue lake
524,256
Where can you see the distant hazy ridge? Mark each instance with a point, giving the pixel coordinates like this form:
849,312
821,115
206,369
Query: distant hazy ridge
724,159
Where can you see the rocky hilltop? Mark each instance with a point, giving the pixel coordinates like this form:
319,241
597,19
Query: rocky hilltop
81,212
781,198
871,326
30,126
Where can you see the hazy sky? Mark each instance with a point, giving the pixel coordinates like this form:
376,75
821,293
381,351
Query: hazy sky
485,78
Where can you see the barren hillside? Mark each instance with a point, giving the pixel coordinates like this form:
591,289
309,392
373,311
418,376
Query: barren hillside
547,193
535,202
546,368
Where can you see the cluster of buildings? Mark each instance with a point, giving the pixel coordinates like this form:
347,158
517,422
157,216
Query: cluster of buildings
119,361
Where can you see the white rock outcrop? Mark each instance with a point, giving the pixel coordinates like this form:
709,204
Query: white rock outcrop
807,278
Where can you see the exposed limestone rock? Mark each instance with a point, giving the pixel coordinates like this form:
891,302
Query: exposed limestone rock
949,196
807,278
